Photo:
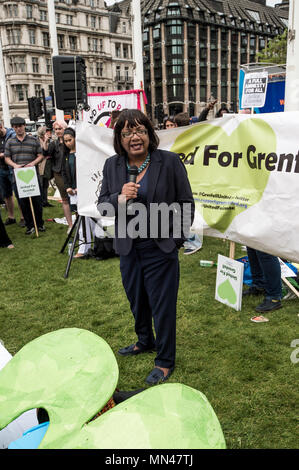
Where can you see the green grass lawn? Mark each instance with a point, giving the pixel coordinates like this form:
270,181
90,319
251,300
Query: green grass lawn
243,368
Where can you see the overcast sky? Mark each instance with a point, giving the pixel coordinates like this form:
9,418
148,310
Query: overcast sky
271,3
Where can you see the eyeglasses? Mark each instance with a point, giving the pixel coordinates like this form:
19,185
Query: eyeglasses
127,135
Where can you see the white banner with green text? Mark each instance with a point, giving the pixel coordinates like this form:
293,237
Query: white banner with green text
243,170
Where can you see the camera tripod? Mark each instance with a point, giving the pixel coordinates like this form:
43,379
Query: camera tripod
80,220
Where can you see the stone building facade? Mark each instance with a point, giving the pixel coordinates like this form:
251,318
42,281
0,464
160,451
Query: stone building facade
101,35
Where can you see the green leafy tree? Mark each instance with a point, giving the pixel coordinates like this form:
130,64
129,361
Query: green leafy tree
276,50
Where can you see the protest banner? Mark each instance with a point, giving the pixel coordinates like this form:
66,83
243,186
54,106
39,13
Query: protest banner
243,171
27,185
102,104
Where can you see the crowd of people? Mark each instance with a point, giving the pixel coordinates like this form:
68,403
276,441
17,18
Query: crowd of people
149,266
48,153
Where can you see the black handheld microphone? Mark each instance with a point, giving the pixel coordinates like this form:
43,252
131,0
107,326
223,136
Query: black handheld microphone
133,172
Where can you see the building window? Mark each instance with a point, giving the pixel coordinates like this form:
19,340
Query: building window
17,64
255,15
35,65
43,15
57,17
37,90
20,92
125,51
118,72
177,50
49,65
46,40
173,11
73,43
93,21
124,27
175,30
117,50
11,11
69,20
29,12
14,36
99,69
156,32
93,44
31,36
60,40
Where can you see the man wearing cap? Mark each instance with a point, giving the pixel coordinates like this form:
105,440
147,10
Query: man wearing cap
23,151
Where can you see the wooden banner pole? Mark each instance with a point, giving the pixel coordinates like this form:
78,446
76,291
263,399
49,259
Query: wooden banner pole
33,215
232,247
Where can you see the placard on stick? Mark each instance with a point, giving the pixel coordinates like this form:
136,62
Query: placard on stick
27,183
254,89
229,282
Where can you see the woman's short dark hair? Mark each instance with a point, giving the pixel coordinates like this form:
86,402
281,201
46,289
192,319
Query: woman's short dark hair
134,117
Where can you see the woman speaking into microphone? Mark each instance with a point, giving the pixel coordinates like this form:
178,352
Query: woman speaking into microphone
148,257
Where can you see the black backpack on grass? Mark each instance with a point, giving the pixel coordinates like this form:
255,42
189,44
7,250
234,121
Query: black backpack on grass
102,248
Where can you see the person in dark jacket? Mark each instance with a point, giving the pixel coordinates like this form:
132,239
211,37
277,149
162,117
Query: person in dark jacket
149,256
69,175
55,150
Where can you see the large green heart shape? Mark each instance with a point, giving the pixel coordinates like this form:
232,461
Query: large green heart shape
223,191
72,373
227,292
26,175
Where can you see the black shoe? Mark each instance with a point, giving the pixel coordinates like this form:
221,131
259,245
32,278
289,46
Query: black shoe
130,351
268,305
157,375
10,221
22,223
30,231
253,291
41,229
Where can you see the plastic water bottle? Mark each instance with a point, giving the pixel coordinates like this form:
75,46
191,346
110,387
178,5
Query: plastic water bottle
206,264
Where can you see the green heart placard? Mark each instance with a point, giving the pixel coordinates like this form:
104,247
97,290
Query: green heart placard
224,180
227,292
26,175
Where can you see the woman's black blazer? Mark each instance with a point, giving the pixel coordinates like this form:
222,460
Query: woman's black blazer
167,182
